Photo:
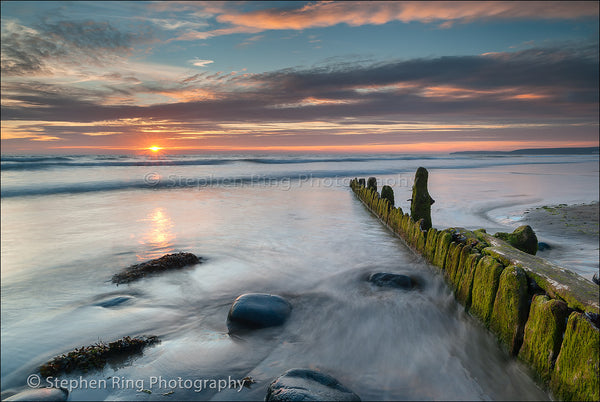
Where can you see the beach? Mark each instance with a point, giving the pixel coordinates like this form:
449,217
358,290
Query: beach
580,221
285,225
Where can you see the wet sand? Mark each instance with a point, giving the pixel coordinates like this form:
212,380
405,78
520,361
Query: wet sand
580,220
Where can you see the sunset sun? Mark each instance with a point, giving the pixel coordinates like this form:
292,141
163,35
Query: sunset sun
154,148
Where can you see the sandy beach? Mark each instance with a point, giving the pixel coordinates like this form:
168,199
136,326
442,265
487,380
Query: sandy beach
563,220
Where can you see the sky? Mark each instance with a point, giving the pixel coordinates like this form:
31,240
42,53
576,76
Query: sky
328,76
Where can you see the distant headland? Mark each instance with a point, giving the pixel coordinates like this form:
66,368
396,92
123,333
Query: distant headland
535,151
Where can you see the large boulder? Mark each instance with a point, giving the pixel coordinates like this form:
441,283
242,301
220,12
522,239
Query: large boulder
41,394
421,201
257,310
523,238
308,385
384,279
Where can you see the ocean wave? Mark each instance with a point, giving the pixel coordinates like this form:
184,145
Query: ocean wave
52,165
154,182
43,163
30,159
273,161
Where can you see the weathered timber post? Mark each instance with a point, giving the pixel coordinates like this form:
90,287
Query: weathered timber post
372,183
420,203
388,193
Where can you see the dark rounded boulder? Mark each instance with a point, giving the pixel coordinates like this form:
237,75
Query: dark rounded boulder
41,394
523,238
308,385
257,310
384,279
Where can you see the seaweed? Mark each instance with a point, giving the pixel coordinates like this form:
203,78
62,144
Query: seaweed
164,263
95,357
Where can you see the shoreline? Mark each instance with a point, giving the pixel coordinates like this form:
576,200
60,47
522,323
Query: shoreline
562,220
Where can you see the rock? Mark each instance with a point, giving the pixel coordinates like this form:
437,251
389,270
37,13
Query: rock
595,279
308,385
421,201
114,302
41,394
523,238
543,246
164,263
384,279
372,184
388,194
361,182
257,310
95,357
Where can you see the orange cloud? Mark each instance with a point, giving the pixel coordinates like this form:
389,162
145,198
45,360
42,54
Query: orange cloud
323,14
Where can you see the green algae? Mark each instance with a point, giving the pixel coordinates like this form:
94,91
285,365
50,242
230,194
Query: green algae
510,308
543,334
430,244
464,288
473,262
388,194
372,184
452,262
485,284
522,238
443,243
577,370
578,292
460,268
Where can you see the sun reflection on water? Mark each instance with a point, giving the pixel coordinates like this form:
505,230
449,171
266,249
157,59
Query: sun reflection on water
158,240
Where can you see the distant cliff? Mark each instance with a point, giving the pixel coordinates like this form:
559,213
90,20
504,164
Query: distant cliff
536,151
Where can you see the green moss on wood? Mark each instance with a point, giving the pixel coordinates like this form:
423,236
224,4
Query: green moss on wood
558,282
431,244
421,201
460,268
510,308
419,236
485,285
372,184
577,369
443,242
465,286
452,262
388,194
543,334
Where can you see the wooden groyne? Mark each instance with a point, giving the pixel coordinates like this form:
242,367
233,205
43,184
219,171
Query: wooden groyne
543,314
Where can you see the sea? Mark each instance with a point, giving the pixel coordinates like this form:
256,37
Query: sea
262,223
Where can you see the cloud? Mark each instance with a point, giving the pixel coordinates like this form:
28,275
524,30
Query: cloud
536,84
356,13
49,48
201,63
